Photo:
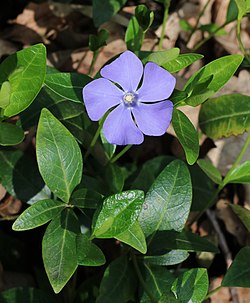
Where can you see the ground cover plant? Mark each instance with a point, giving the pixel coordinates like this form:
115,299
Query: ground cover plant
109,191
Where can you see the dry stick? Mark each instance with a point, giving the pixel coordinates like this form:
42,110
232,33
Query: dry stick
225,249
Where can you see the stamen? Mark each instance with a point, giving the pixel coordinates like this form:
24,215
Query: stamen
129,98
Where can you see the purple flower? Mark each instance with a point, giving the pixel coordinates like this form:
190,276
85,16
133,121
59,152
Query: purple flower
137,110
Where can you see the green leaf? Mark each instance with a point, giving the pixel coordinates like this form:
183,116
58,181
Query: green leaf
185,25
25,72
84,198
191,286
242,8
211,171
171,240
170,258
182,61
10,134
88,254
5,92
67,85
168,201
187,135
158,280
38,214
118,213
163,57
226,115
25,295
232,11
134,237
213,28
114,177
118,283
105,9
109,148
221,70
144,16
243,214
60,167
240,174
98,41
59,249
134,35
20,176
238,274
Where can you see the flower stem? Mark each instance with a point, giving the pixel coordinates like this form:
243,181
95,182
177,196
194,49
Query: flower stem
140,277
121,153
239,38
164,22
213,292
95,55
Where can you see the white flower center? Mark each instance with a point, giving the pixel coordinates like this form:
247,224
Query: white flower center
129,98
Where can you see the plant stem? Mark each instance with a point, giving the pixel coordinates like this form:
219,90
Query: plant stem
164,22
198,21
121,153
96,53
239,38
140,277
213,292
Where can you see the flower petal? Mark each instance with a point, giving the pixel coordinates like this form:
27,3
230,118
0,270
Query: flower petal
153,119
119,127
158,84
99,96
126,70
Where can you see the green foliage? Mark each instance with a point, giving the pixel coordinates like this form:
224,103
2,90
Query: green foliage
211,171
243,214
98,41
10,134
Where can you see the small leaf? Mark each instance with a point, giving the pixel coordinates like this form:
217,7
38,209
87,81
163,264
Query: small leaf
170,258
211,171
226,115
232,11
109,148
88,254
134,237
60,167
240,174
67,85
114,177
144,16
182,61
10,134
38,214
98,41
198,279
213,28
84,198
25,72
238,274
134,35
185,25
168,201
59,249
118,213
187,135
162,57
243,214
242,8
118,283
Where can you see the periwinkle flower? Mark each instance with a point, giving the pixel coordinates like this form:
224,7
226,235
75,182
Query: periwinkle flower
137,110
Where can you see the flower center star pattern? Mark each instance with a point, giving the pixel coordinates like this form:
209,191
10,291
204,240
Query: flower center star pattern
136,110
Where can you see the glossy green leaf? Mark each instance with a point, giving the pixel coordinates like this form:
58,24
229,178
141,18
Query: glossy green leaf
182,61
98,41
25,295
59,249
240,174
60,167
232,11
118,213
221,70
134,35
118,283
211,171
67,85
191,286
168,201
88,254
243,214
226,115
187,135
10,134
162,57
38,214
84,198
20,176
171,240
170,258
134,237
144,16
238,274
158,280
105,9
25,72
